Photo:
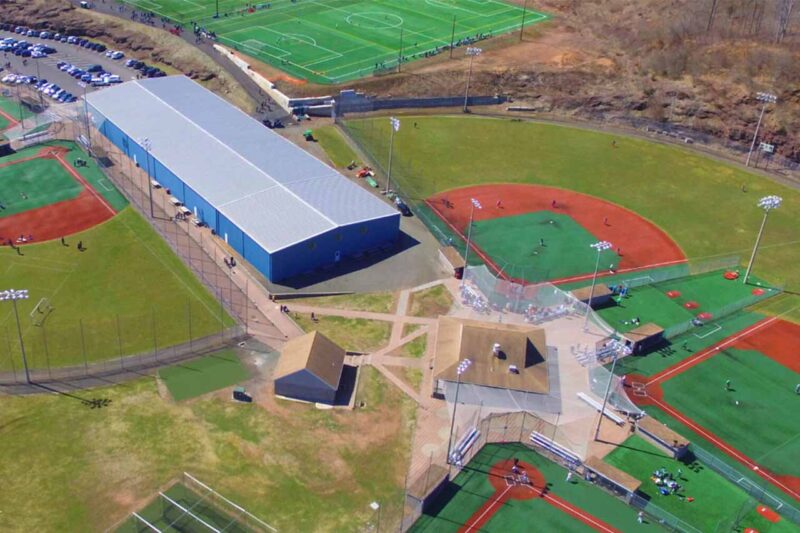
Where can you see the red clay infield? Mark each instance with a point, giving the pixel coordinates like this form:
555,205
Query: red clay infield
59,219
499,475
773,337
642,243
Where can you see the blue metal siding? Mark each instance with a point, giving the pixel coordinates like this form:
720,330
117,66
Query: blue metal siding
306,256
198,205
257,256
322,250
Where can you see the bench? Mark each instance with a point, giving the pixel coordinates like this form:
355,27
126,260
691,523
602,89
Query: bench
598,406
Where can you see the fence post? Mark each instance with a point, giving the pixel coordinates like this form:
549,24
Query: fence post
83,347
155,339
119,343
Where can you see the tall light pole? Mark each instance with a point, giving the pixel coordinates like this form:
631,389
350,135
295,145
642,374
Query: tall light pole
86,114
766,98
15,295
41,96
395,122
472,52
475,205
600,247
522,24
605,397
147,145
462,367
767,203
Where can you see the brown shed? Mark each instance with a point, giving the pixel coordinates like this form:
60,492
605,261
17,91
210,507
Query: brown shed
309,369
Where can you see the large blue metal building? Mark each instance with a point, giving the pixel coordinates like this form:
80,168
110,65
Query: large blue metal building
280,208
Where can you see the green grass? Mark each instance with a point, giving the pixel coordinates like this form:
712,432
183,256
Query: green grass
650,303
378,302
335,145
329,43
539,246
717,502
169,517
352,334
127,293
768,405
36,183
75,468
92,173
686,345
415,348
471,488
206,374
671,186
430,302
699,440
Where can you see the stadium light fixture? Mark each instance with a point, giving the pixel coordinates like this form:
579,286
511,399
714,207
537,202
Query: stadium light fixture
147,145
600,247
475,205
395,122
472,52
463,366
765,98
13,295
767,203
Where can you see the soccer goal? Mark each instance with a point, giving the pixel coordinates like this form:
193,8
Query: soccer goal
189,505
40,313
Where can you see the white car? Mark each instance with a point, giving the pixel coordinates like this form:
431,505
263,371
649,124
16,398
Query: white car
9,78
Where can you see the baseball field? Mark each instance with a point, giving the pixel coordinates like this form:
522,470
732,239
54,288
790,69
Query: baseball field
333,42
102,284
665,188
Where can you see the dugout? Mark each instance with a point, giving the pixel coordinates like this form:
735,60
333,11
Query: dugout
663,437
612,478
280,208
644,338
601,297
452,260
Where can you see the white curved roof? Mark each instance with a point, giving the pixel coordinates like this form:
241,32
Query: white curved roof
273,190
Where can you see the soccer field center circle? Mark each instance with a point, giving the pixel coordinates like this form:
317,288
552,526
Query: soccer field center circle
375,20
48,214
532,233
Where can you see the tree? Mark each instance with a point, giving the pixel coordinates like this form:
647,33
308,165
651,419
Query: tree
785,8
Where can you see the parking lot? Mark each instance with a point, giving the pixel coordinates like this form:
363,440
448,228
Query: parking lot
46,67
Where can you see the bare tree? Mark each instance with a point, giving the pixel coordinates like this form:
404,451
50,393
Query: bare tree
785,8
712,13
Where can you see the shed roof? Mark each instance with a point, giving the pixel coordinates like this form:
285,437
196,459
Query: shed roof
273,190
315,353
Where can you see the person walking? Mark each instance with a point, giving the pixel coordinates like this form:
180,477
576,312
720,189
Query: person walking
569,476
727,385
640,517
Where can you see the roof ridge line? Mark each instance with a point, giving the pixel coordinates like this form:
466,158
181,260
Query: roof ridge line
230,149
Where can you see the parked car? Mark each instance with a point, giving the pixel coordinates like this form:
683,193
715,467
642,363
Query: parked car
94,68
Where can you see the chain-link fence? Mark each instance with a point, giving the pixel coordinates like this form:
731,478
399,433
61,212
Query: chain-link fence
552,442
81,347
758,489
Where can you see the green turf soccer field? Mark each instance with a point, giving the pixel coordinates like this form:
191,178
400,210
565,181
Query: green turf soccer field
551,244
471,489
200,376
718,503
336,41
768,405
650,303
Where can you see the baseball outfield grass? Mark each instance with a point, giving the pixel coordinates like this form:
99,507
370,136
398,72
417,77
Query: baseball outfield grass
762,401
697,200
715,505
77,468
127,293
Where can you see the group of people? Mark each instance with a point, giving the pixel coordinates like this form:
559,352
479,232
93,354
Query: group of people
667,483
